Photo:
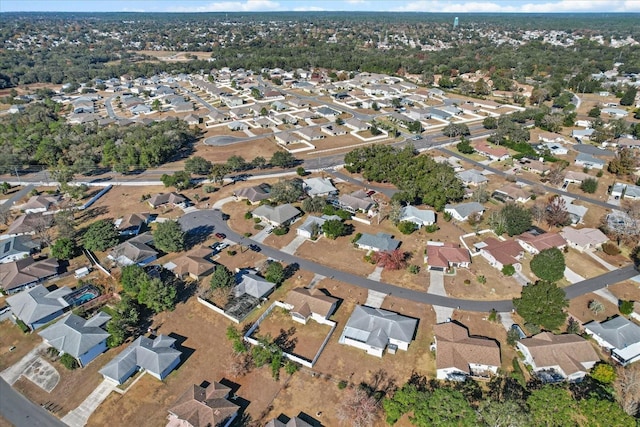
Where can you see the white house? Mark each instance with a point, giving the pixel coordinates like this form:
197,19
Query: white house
620,336
420,217
589,161
375,329
305,304
319,187
462,211
584,239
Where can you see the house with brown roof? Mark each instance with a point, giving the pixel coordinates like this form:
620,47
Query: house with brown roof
566,357
131,224
500,253
29,223
511,193
193,264
15,276
584,238
167,199
442,256
459,355
203,406
254,194
534,243
494,153
305,304
40,203
135,251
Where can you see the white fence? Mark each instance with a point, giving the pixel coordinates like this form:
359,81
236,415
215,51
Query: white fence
217,309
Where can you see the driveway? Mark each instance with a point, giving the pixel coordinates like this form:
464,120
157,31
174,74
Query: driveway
292,247
436,283
79,416
42,374
12,373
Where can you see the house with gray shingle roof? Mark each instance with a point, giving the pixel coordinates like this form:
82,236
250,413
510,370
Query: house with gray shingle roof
251,284
84,339
15,248
472,177
589,161
157,356
620,336
420,217
37,306
135,251
319,187
279,215
377,242
462,211
375,329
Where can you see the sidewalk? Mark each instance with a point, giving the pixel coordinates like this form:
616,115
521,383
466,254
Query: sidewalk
79,416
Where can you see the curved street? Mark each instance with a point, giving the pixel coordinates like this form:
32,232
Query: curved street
573,291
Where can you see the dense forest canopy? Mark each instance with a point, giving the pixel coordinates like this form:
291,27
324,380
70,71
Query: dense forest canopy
64,47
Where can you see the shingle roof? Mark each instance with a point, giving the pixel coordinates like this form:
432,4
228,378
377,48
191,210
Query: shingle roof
162,198
415,215
584,236
22,272
376,326
193,262
465,209
380,241
472,175
455,348
543,241
314,186
134,250
568,351
251,284
37,303
152,355
16,245
278,215
619,331
75,335
308,301
505,252
205,406
442,256
28,222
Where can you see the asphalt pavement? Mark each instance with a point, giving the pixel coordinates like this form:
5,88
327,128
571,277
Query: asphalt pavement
21,412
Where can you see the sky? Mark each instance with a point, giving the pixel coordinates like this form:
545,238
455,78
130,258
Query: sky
438,6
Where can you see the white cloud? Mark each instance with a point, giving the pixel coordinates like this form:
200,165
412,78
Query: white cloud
308,9
232,6
356,1
521,7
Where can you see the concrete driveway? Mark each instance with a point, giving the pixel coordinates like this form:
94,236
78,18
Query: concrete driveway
13,372
79,416
42,374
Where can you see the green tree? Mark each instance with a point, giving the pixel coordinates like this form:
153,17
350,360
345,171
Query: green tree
507,413
283,159
169,237
5,187
64,248
123,322
542,304
594,112
549,264
625,307
508,270
589,185
198,165
402,402
100,235
334,228
218,172
517,219
314,204
180,180
490,123
603,373
301,171
629,97
552,406
222,278
69,362
131,277
407,227
464,146
598,412
158,295
444,407
275,273
236,163
286,191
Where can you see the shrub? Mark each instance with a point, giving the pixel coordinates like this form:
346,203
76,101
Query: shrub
257,220
467,281
23,327
626,307
589,185
431,228
248,215
407,227
610,248
447,216
342,384
356,238
258,227
247,234
600,173
512,337
231,252
413,269
210,189
493,316
68,361
482,279
281,230
508,270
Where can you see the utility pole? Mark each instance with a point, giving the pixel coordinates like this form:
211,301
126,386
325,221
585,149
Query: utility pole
17,175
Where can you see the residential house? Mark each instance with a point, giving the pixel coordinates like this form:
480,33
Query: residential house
172,199
311,133
588,161
321,187
472,177
550,137
566,357
459,355
307,228
249,283
625,191
192,119
141,109
40,203
534,243
157,357
501,253
495,153
377,242
357,125
293,422
237,126
620,336
131,224
374,330
204,406
287,137
576,177
629,143
462,211
581,134
334,130
84,339
254,194
193,264
17,275
584,239
15,248
16,109
305,304
617,113
37,306
135,251
29,223
535,166
442,256
511,193
232,101
279,215
420,217
554,148
357,201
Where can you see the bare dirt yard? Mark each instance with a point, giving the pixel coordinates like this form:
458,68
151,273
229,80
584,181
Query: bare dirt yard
579,308
627,290
343,256
12,336
296,338
497,286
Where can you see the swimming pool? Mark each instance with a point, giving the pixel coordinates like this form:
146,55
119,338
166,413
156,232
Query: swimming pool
82,295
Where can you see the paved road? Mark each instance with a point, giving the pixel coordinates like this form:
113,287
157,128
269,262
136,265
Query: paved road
526,181
215,218
21,412
15,197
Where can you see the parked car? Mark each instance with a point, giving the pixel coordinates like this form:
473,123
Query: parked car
221,236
